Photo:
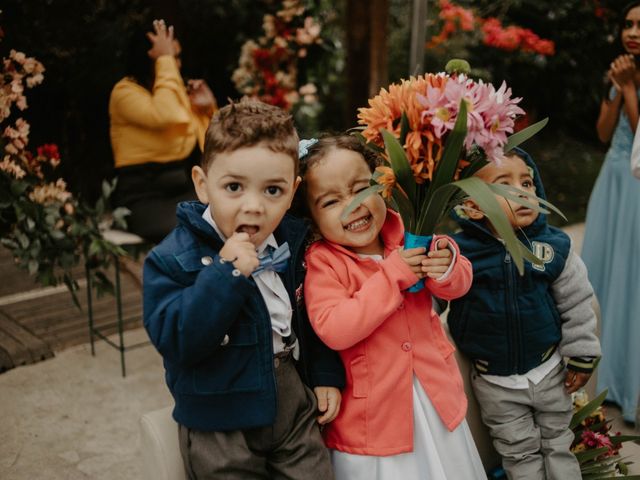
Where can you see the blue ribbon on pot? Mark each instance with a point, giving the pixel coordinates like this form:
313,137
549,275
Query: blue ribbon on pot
413,241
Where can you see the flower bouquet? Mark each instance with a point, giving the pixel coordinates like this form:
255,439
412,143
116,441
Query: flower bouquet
597,450
434,132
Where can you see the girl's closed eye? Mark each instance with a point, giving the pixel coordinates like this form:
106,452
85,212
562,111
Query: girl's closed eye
329,203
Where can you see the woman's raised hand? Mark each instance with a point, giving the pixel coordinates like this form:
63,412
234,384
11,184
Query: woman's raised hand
162,41
622,71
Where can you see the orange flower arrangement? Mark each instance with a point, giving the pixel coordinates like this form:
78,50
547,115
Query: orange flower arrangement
422,147
435,131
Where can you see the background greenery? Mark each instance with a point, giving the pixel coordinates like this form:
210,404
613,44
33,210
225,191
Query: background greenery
82,42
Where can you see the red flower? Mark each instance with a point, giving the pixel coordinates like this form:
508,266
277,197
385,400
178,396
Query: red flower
49,150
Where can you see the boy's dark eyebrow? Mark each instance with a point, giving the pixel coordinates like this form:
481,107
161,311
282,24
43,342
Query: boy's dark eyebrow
232,176
500,177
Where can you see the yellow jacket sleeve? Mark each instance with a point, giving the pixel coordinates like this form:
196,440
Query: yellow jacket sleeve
167,105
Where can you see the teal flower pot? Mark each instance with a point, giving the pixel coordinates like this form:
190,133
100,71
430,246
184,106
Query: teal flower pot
414,241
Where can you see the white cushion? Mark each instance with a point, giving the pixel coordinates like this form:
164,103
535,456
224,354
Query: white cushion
161,458
121,238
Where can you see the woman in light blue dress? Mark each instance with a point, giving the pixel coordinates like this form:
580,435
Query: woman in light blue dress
611,248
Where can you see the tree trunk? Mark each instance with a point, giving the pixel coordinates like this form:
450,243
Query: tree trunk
367,53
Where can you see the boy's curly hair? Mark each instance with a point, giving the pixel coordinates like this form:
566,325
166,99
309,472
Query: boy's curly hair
248,123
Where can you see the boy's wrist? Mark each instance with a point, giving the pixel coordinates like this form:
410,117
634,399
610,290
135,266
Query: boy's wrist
583,364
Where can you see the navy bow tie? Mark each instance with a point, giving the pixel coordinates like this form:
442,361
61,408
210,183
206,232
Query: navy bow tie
274,258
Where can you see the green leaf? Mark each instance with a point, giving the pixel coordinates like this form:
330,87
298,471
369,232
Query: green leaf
513,193
624,438
359,198
480,192
106,189
608,465
524,135
446,168
435,208
473,167
23,240
587,455
370,145
100,207
18,188
404,208
588,409
32,267
72,286
404,128
95,247
400,165
57,235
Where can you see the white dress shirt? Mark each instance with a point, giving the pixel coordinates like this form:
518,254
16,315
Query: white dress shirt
273,292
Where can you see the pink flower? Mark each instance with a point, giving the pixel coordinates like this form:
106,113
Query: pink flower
593,440
9,166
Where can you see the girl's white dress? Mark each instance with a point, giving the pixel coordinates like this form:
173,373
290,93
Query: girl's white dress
438,454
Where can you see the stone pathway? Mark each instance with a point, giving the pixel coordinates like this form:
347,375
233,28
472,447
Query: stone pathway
74,417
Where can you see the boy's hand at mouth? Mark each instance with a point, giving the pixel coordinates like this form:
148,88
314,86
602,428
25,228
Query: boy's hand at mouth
241,252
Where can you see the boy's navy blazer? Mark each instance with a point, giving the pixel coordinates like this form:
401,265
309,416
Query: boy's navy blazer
213,328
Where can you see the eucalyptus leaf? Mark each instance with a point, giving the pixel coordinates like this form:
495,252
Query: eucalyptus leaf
473,167
23,240
95,247
359,198
513,193
481,194
106,189
32,267
57,235
524,135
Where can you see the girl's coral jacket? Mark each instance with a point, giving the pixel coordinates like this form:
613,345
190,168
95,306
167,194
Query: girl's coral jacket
384,336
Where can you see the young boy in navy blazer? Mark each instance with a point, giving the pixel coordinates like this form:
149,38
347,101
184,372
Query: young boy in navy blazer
223,305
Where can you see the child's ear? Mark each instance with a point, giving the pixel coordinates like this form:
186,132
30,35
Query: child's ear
199,179
472,210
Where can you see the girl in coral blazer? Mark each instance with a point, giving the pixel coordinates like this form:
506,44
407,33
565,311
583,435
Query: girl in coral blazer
403,408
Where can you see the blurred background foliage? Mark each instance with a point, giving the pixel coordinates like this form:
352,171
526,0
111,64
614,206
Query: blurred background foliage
82,42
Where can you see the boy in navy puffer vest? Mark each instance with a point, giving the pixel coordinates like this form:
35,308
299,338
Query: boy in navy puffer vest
516,329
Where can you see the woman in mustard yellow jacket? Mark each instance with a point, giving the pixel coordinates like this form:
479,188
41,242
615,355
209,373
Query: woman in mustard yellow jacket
157,128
